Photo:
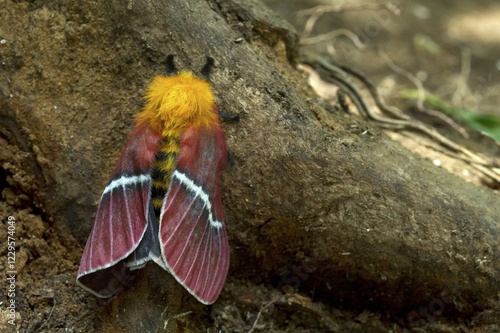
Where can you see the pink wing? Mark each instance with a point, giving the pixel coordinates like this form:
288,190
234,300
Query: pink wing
125,229
192,235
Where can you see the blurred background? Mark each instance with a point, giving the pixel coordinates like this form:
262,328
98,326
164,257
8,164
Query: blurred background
451,46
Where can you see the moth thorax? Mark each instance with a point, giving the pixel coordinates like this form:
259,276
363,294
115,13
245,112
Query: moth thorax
180,101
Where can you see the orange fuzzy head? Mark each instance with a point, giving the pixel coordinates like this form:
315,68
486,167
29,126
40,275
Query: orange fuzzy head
174,103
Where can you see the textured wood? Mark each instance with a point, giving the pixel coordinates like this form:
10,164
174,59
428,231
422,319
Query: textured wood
376,227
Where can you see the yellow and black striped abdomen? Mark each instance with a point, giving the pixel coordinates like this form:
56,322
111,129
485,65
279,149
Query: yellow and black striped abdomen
162,171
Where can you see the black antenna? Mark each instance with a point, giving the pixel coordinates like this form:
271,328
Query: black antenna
171,69
205,71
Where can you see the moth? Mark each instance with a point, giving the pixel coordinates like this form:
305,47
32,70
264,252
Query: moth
163,201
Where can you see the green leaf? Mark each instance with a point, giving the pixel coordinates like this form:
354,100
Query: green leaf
426,43
485,123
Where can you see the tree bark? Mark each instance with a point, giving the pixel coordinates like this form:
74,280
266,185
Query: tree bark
311,201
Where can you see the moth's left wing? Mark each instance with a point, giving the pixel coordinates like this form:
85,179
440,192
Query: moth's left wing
125,230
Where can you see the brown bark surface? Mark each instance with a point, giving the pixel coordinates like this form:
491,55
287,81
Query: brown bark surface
331,229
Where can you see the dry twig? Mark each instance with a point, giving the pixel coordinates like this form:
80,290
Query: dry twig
421,94
265,306
394,120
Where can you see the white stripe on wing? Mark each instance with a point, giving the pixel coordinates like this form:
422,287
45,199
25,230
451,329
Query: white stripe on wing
123,181
198,193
